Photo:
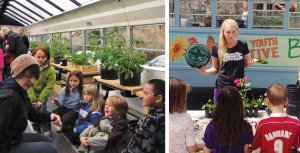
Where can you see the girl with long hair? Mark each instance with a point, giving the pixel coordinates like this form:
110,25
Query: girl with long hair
228,131
181,128
43,87
91,109
68,101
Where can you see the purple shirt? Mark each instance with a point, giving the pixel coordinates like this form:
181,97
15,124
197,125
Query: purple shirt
210,140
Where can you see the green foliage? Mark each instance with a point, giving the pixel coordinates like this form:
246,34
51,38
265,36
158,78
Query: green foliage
80,59
263,61
130,62
114,38
137,43
108,56
34,44
268,21
115,55
94,42
209,105
246,103
58,48
244,85
256,103
110,52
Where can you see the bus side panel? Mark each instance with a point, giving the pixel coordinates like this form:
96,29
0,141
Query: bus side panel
281,51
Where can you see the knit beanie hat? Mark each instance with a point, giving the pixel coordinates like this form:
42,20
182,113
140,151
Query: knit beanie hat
21,63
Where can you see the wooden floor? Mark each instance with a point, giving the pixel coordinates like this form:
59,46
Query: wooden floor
62,143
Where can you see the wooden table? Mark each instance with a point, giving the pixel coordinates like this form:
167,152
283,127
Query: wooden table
116,85
140,94
87,72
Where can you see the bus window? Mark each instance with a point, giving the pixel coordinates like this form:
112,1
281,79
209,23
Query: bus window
268,15
171,13
294,11
193,13
233,10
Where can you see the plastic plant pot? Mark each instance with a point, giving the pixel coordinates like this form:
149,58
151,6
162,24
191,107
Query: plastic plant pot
197,55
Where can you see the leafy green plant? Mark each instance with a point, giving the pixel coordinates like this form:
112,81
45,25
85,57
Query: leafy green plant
94,40
94,44
34,44
110,52
108,57
80,59
130,62
58,48
209,105
247,104
268,21
257,102
244,85
263,61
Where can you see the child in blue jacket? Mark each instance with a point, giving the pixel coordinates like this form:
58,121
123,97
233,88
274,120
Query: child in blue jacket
91,110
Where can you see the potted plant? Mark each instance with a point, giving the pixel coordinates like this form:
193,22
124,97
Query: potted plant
109,53
80,59
58,48
130,66
248,111
81,62
209,108
251,106
244,86
256,104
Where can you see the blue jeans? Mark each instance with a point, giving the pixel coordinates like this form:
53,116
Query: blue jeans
34,143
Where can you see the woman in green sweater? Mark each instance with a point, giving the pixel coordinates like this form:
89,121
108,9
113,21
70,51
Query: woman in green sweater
43,87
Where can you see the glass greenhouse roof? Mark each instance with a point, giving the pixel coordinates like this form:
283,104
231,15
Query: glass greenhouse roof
26,12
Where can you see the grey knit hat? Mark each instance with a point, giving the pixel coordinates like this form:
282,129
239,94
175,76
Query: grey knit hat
21,63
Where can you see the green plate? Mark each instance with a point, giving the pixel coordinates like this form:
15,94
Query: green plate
197,55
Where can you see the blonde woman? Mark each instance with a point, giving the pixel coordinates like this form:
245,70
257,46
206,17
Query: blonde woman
229,57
